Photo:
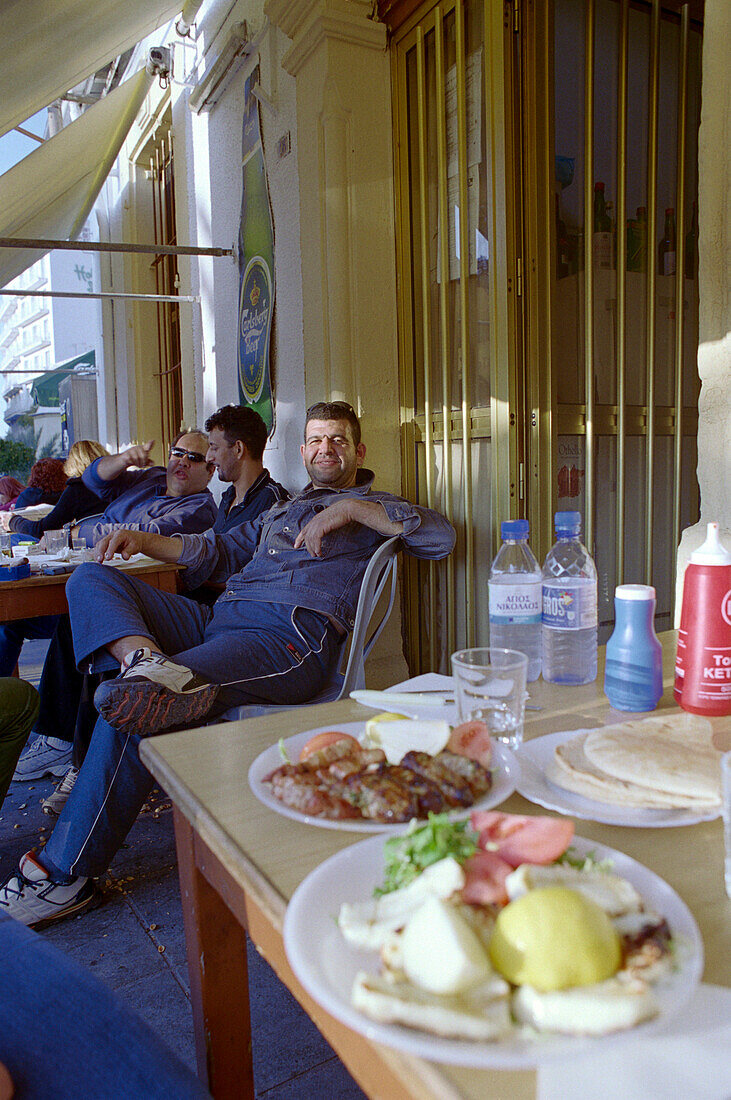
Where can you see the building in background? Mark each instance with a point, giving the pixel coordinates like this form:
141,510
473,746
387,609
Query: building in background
44,339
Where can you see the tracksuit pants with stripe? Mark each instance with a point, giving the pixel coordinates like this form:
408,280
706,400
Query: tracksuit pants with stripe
263,654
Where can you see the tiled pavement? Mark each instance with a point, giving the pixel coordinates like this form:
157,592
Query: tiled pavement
134,943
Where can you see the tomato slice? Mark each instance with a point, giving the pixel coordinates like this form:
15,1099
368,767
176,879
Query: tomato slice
485,874
323,740
472,739
518,839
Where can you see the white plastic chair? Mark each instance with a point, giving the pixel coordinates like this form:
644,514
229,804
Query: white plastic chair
380,571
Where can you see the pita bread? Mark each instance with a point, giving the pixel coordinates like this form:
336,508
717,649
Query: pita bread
670,755
572,770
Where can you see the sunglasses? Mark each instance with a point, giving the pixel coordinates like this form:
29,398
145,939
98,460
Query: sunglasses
339,406
192,456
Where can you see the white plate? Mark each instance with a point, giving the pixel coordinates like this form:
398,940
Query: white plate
326,964
504,781
535,755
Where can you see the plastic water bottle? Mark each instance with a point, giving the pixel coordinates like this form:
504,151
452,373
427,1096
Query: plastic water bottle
515,596
633,671
569,606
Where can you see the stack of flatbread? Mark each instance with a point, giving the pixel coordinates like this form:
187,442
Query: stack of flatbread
658,763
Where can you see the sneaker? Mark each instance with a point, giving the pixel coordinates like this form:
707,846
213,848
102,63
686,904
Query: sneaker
30,897
56,801
153,694
44,756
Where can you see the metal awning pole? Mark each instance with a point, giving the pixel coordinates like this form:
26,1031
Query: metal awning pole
99,294
109,246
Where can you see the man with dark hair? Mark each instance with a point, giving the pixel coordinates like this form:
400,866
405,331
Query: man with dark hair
140,496
335,410
236,439
133,493
151,498
293,577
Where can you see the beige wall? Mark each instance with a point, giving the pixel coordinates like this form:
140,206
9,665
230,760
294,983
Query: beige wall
340,62
714,278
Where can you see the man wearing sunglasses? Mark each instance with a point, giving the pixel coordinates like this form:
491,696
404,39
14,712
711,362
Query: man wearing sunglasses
292,576
153,498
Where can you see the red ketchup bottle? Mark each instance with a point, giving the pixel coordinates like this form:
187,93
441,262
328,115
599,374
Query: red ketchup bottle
703,662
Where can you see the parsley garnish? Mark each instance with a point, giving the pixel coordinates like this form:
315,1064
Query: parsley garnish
406,856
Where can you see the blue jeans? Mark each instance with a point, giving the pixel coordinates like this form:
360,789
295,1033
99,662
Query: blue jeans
262,652
13,634
89,1044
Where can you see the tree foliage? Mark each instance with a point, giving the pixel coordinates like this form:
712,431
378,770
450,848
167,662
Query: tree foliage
16,459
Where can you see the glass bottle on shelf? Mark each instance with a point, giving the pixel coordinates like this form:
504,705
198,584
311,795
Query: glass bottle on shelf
602,243
563,247
641,228
666,248
612,232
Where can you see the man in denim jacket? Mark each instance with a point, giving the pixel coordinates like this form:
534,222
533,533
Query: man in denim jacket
293,577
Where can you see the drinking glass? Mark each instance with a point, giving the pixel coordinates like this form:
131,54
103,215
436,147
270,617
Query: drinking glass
490,685
56,541
5,551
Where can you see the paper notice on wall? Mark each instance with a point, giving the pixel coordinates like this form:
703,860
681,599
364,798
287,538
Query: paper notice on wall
477,241
473,96
473,208
571,472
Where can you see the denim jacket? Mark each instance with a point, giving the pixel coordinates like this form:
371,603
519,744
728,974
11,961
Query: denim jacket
258,560
138,501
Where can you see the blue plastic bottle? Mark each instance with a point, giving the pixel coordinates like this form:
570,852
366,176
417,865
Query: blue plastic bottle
633,672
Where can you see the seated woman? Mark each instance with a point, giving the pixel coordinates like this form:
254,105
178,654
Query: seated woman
10,490
46,482
76,501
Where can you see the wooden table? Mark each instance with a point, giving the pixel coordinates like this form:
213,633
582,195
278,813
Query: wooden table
239,863
43,595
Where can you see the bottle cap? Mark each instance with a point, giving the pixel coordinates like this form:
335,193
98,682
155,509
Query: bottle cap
634,592
514,529
567,523
712,552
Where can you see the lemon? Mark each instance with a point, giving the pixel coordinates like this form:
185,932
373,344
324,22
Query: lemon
372,739
554,938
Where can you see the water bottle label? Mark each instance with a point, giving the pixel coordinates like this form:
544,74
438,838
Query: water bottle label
515,603
569,608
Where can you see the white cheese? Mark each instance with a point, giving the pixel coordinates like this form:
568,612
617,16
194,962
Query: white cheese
368,923
397,736
610,892
598,1009
483,1014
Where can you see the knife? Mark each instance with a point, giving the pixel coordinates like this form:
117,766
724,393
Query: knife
401,698
434,698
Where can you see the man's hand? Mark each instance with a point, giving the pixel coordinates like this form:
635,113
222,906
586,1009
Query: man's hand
5,521
110,466
346,510
127,543
138,455
124,543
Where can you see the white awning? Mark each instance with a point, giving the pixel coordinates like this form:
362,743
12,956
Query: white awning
50,46
49,194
